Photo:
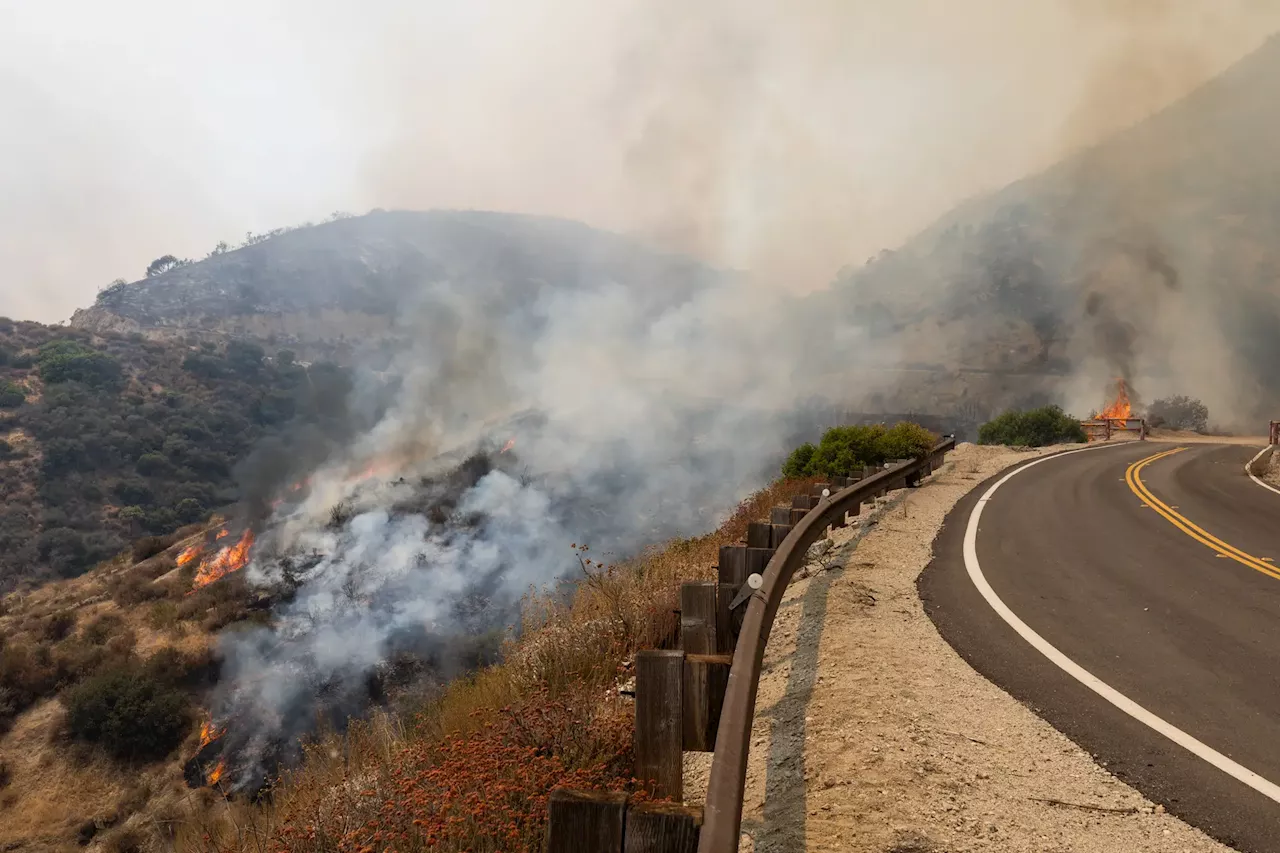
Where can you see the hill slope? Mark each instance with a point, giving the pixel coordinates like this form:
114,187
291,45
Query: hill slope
345,286
1150,256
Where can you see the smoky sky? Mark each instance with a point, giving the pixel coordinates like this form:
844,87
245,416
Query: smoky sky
786,139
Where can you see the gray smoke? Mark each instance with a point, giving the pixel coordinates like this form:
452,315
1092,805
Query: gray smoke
628,426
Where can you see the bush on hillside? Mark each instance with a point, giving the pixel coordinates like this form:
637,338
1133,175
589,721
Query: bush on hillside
72,361
12,395
1032,428
845,451
1179,413
129,713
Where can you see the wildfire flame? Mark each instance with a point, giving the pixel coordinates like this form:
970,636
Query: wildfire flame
223,533
216,774
1119,408
189,554
209,733
511,442
230,559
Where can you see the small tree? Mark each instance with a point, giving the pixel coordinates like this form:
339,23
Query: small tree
162,264
1179,413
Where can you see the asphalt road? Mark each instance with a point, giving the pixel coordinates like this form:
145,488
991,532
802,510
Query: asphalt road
1128,589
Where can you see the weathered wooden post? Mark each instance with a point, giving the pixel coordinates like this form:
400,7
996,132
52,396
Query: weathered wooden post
585,822
733,574
662,828
780,532
705,680
758,534
659,729
780,515
698,617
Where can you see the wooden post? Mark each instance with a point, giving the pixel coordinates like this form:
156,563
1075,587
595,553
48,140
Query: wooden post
698,617
801,502
659,723
705,680
733,574
815,496
662,828
797,515
585,822
780,532
757,560
780,515
758,534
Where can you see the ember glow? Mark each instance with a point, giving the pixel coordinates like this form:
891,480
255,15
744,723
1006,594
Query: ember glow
209,733
1119,408
230,559
216,774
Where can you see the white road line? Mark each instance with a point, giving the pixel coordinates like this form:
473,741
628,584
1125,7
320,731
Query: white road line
1124,703
1248,469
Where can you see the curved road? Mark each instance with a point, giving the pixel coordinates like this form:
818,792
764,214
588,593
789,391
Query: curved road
1149,565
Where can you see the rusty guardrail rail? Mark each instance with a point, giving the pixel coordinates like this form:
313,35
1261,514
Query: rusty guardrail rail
722,815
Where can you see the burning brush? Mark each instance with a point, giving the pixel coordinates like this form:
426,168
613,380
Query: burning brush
396,586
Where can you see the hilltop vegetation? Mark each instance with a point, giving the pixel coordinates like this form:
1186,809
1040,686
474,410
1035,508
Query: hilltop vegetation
355,286
104,439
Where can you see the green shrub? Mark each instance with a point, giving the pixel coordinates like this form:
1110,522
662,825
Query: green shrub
845,451
12,395
72,361
129,713
1032,428
1179,413
798,462
905,440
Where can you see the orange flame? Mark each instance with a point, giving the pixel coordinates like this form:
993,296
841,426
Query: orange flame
222,534
1120,408
216,774
208,733
189,554
511,442
230,559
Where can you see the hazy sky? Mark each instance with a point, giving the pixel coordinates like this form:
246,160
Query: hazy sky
788,138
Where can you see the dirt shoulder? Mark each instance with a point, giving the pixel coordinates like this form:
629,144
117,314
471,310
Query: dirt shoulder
872,734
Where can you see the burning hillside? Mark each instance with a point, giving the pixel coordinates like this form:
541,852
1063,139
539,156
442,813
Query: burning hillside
378,583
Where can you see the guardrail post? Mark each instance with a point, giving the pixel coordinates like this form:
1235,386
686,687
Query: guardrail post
585,822
705,680
758,534
662,828
733,574
659,722
780,515
797,514
698,617
780,532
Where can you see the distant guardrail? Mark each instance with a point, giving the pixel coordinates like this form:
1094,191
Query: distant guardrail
702,697
1101,429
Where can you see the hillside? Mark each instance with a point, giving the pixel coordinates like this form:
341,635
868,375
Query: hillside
355,285
108,438
1149,256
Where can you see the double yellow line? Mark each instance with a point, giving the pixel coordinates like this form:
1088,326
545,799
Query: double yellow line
1134,479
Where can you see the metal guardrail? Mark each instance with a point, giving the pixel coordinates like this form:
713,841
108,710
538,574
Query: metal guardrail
722,816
